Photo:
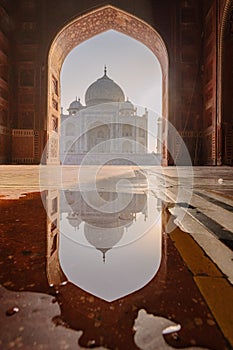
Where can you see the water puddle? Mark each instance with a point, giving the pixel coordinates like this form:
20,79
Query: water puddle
103,271
95,247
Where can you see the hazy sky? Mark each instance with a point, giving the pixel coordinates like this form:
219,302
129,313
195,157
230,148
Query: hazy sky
129,63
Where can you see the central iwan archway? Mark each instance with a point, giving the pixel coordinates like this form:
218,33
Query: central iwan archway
81,29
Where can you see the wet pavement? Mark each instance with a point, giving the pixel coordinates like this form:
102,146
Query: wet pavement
91,274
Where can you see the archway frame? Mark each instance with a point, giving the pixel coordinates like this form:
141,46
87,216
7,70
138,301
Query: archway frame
83,28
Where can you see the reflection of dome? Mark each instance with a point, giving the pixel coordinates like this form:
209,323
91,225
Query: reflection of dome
127,218
115,218
70,197
74,219
103,239
103,90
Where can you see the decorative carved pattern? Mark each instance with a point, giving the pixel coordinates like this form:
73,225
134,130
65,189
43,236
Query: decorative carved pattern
209,142
102,20
55,104
36,144
231,23
190,133
23,160
54,85
23,132
54,123
4,130
228,144
53,151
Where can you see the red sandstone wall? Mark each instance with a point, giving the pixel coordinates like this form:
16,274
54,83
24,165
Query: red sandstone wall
5,144
187,26
209,86
227,88
185,94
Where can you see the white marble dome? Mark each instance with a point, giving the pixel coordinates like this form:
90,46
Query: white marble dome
74,219
127,106
75,105
103,90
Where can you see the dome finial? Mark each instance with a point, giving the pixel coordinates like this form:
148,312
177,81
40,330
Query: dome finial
105,70
76,98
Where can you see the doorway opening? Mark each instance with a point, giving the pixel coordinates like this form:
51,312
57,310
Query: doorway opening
131,85
78,31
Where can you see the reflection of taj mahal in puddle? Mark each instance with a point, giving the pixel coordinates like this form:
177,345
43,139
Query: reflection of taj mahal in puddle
108,244
103,231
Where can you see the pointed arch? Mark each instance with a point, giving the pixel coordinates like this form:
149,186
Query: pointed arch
83,28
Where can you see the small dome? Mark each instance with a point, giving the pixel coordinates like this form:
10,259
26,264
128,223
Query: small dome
75,105
103,90
127,105
74,219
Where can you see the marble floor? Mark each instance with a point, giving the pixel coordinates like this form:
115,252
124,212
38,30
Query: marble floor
63,286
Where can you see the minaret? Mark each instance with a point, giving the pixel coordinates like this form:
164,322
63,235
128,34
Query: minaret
159,142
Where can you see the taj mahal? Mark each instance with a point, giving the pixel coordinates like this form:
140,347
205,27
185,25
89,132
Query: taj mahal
107,127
